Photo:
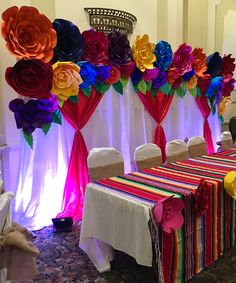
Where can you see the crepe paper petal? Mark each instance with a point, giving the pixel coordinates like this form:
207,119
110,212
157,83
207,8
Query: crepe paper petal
230,183
202,197
167,213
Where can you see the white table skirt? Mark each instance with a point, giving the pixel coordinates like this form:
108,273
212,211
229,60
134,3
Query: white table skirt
114,220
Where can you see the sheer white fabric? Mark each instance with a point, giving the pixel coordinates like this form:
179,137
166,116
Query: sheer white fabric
119,121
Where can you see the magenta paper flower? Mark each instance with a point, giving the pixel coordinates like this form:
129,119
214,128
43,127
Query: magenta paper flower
167,213
202,197
183,59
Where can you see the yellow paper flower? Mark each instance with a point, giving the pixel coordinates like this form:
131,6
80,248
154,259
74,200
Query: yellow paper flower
223,105
142,51
191,84
230,183
66,80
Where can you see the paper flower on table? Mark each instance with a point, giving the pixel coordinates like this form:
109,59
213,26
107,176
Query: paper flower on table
28,34
66,80
34,113
227,67
230,183
167,213
119,51
202,198
142,51
199,62
163,53
70,43
32,78
95,47
183,59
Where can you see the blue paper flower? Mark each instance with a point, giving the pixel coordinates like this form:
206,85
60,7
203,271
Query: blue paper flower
187,76
163,54
215,88
88,74
103,73
159,81
136,76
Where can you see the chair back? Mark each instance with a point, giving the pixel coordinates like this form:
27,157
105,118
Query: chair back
226,140
232,128
147,155
197,146
105,162
176,150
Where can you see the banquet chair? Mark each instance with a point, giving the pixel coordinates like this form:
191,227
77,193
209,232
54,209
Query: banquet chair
232,128
197,146
147,155
105,162
176,150
226,141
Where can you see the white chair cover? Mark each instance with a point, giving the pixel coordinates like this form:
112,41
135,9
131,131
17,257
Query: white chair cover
197,146
226,140
147,155
105,162
176,150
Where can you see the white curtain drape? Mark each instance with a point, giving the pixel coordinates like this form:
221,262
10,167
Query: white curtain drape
119,121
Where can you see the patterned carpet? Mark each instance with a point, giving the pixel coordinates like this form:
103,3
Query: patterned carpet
62,261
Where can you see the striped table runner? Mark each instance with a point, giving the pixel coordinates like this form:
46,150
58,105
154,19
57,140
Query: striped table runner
200,241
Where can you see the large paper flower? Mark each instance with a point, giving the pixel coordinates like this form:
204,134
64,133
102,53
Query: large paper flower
127,69
119,51
172,75
103,73
69,41
32,78
142,51
228,86
183,59
66,80
114,75
163,54
213,63
202,197
215,88
32,114
227,67
230,183
199,62
223,105
167,213
88,74
28,34
95,47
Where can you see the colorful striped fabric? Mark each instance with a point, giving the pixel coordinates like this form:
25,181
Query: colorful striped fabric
229,152
187,251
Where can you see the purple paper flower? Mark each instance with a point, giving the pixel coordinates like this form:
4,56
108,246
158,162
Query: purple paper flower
159,81
136,76
119,51
163,54
32,114
103,73
87,73
183,59
150,74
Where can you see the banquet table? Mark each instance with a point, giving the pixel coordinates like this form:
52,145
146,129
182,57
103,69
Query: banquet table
117,214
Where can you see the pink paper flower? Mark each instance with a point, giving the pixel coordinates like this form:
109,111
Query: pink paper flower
167,213
183,59
202,197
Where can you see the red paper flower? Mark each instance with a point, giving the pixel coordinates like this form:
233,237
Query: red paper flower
167,213
95,47
127,69
228,87
114,75
227,67
202,197
203,83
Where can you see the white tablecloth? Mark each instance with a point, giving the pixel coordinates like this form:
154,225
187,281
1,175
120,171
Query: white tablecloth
114,220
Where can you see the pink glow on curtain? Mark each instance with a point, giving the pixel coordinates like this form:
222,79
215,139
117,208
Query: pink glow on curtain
77,177
158,107
205,110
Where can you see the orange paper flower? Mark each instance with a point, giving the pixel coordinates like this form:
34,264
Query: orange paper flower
223,105
199,62
142,51
66,80
28,34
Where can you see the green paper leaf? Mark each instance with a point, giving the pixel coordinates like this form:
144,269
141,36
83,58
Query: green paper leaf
56,117
180,92
142,87
149,84
123,81
46,128
172,91
105,88
86,91
153,92
183,86
28,138
193,92
102,88
60,102
213,109
118,87
135,88
74,99
221,118
165,88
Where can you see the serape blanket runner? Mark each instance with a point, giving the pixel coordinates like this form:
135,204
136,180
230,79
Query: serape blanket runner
229,152
201,240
